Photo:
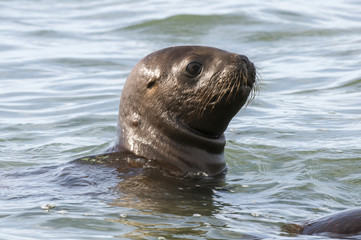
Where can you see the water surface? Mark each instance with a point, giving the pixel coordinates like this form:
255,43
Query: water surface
293,154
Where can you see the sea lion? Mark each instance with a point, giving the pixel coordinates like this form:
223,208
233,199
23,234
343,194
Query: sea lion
176,104
344,222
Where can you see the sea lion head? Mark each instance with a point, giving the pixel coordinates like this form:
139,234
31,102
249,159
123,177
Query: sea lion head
177,102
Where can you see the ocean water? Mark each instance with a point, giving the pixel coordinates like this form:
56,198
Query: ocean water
293,154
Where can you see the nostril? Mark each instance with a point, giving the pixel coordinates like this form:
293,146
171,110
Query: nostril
243,58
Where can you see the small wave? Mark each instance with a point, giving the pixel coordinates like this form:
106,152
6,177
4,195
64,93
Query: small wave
356,83
188,22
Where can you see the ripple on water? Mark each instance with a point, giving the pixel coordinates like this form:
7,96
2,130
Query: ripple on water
293,154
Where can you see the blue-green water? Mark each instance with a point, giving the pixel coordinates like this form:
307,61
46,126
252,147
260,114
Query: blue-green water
293,154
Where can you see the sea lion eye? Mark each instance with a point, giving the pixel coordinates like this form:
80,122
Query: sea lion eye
193,69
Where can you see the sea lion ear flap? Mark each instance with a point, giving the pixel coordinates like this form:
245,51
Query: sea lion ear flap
151,82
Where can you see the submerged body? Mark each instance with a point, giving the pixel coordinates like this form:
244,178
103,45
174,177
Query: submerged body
345,222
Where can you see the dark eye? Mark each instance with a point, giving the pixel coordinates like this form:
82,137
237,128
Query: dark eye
193,69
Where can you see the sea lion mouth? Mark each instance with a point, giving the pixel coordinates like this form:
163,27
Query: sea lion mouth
199,133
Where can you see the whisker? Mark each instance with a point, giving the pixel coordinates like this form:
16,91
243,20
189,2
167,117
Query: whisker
226,85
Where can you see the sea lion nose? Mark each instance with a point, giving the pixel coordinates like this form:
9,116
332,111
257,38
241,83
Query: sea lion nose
248,69
243,58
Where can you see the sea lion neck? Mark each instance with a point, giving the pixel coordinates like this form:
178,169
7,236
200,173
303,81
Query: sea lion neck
169,142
